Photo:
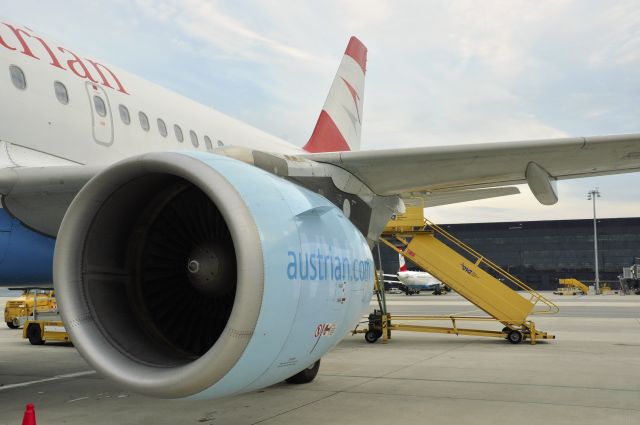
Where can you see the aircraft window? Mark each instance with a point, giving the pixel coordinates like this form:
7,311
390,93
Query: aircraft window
61,92
178,132
194,138
162,127
17,77
144,121
207,141
124,114
220,143
101,108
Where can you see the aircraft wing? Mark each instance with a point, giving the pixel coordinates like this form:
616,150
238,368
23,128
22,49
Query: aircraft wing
39,196
436,198
427,170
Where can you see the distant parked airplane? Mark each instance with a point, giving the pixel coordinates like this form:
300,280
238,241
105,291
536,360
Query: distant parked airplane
415,281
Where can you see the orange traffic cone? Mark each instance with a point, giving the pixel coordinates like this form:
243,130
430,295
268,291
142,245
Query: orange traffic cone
29,417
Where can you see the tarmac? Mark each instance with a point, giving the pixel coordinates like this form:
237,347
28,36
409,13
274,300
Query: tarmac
589,375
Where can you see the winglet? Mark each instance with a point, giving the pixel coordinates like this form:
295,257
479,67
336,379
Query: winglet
340,122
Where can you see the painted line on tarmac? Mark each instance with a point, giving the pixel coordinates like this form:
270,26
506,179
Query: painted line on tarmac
53,378
424,303
622,304
558,303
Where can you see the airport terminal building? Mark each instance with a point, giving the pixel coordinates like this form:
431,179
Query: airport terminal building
541,252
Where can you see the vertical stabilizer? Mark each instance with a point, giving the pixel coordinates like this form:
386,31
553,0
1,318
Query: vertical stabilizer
339,125
403,265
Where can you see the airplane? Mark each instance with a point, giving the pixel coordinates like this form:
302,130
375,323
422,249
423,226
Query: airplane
412,282
194,256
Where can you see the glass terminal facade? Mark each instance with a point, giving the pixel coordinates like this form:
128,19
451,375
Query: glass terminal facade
541,252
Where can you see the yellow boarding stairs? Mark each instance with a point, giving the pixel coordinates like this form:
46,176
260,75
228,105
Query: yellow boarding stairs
467,272
571,287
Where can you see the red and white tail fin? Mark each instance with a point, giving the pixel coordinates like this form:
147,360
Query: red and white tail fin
403,265
338,128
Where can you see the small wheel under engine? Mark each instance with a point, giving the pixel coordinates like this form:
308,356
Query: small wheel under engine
305,376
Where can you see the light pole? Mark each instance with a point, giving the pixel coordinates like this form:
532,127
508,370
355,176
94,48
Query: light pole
591,196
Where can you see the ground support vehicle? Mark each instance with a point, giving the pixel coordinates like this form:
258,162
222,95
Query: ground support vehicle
18,310
44,325
467,272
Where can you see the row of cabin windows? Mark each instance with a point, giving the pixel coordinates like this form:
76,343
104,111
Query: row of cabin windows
125,116
20,82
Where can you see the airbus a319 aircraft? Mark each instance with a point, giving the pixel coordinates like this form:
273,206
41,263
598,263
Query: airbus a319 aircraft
196,256
413,282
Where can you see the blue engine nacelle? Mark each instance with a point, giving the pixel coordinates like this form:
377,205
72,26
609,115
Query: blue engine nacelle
196,275
25,256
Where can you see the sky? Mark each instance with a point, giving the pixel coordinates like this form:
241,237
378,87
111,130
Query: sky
438,72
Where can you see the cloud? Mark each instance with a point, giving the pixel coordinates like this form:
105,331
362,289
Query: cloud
573,204
443,74
205,21
619,43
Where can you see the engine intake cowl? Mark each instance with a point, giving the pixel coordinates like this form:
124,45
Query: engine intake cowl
191,274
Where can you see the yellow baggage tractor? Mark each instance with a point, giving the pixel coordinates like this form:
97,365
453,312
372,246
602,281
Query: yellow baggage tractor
45,326
41,330
18,310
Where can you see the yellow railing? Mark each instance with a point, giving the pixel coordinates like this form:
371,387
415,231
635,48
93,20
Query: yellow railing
545,306
535,297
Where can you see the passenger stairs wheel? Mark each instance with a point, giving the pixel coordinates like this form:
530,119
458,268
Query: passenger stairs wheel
34,334
372,336
306,375
12,325
515,337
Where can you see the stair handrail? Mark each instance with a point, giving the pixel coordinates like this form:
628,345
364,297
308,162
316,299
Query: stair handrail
536,297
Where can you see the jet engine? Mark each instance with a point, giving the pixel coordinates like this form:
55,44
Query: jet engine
185,274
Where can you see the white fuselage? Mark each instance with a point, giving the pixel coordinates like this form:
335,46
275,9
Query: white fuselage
39,129
418,279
